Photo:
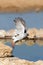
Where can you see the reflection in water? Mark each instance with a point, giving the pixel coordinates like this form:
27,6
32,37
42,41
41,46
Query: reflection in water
24,41
30,42
26,49
5,41
39,42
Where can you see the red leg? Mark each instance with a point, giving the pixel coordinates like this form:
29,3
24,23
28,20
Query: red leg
13,44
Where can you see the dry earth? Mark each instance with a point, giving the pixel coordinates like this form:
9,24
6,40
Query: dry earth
20,5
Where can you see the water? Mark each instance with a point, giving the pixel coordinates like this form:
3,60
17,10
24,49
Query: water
27,49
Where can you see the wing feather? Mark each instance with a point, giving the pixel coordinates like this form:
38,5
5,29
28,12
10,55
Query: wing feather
20,23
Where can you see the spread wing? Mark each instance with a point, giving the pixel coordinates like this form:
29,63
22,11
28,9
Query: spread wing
20,24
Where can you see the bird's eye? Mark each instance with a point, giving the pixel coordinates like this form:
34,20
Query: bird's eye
24,31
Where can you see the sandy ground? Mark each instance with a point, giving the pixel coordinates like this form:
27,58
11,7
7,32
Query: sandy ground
20,5
18,61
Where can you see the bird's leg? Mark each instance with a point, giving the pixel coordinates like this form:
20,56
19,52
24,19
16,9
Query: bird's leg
13,43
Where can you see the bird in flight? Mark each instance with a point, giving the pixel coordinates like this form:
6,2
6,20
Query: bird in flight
20,31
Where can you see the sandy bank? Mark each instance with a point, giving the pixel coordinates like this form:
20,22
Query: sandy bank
18,61
5,50
20,5
33,32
